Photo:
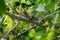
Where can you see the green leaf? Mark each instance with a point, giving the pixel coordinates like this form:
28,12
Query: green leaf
51,33
47,2
8,21
54,1
58,20
51,5
11,36
56,17
2,6
42,1
14,0
40,8
38,37
32,33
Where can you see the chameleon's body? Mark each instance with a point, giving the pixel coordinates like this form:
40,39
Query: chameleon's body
25,14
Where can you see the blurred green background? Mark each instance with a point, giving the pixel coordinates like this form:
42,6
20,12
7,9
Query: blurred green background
38,8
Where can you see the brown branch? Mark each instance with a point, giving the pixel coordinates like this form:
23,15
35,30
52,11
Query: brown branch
37,22
14,16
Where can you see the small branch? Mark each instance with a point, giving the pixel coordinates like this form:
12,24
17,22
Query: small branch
56,38
5,36
15,16
57,26
51,14
37,22
19,34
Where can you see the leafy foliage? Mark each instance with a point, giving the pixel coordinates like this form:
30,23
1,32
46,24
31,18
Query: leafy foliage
2,6
15,29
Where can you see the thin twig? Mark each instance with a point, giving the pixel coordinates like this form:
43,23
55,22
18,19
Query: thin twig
50,14
13,8
19,34
5,36
31,27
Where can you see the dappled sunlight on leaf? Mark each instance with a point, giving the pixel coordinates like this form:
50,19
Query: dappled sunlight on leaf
8,21
32,33
38,37
51,33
